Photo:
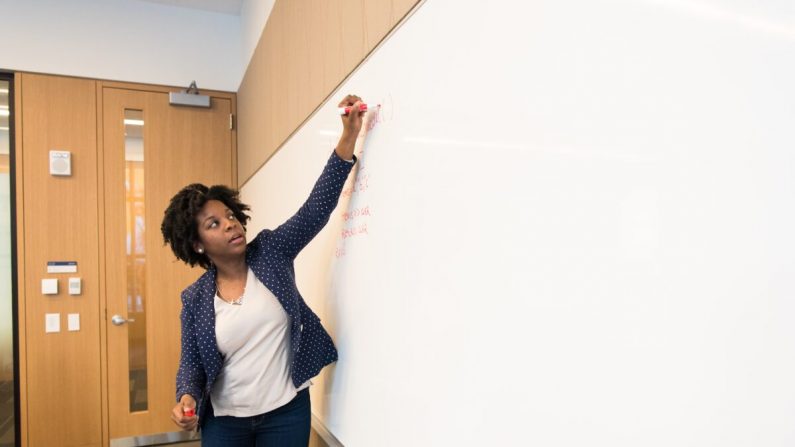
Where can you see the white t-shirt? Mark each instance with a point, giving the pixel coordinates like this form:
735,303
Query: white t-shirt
254,338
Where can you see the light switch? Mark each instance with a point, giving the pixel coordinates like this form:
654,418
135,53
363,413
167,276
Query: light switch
49,286
74,286
73,322
52,322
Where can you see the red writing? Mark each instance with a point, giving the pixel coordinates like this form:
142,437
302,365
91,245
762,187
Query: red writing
354,231
360,184
340,252
385,112
373,119
348,215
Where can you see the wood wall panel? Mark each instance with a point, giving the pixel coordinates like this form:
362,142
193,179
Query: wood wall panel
62,400
308,47
63,376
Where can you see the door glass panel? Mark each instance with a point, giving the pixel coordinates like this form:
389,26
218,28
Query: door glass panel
6,294
136,257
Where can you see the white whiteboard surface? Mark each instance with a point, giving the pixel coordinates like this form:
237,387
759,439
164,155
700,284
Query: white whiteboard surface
573,226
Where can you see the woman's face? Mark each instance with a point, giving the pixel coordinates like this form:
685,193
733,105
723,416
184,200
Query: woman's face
220,234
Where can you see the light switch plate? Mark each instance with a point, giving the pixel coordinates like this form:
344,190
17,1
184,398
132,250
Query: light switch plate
74,286
52,323
73,322
49,286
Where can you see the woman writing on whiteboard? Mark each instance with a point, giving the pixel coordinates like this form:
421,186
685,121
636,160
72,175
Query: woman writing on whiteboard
249,342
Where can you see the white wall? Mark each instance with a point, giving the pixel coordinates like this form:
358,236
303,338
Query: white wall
123,40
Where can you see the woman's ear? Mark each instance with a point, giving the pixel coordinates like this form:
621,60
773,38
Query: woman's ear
198,248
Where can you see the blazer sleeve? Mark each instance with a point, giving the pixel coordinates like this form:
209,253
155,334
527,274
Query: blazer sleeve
191,377
293,235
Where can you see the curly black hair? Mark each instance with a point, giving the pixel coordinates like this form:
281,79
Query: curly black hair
180,227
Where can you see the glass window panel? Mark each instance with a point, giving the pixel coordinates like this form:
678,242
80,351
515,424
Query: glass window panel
7,377
136,257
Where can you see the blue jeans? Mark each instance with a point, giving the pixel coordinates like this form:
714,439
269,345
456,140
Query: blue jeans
286,426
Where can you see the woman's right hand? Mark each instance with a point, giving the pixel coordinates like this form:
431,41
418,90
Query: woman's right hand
178,413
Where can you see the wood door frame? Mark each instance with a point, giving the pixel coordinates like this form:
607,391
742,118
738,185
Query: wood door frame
21,297
17,255
101,85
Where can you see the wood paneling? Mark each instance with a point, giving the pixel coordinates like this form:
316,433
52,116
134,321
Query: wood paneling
61,387
307,48
64,377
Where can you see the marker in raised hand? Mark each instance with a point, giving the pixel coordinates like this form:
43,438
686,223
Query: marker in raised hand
347,110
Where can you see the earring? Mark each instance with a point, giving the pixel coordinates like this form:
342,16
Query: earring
200,250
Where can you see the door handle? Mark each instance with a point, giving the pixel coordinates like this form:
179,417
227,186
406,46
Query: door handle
118,320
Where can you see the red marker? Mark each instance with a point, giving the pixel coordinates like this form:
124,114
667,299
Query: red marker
189,412
347,110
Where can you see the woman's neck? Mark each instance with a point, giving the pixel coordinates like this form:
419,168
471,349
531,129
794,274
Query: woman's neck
233,269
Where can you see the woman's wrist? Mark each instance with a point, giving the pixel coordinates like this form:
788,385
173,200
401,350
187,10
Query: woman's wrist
346,146
348,139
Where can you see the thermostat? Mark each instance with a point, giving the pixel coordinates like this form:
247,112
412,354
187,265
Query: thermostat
60,163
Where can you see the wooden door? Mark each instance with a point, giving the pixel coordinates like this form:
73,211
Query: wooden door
150,151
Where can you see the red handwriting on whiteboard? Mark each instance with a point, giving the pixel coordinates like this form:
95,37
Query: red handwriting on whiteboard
383,112
373,119
340,252
360,158
360,184
349,215
354,231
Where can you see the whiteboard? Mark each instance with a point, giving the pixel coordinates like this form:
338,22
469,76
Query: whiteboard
571,224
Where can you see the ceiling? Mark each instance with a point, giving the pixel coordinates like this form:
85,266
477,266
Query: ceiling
222,6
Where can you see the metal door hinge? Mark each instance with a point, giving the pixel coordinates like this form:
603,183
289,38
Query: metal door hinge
231,121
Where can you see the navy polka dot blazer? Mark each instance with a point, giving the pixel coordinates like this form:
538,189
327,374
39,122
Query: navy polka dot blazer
270,255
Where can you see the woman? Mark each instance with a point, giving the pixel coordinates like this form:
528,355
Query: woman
249,342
